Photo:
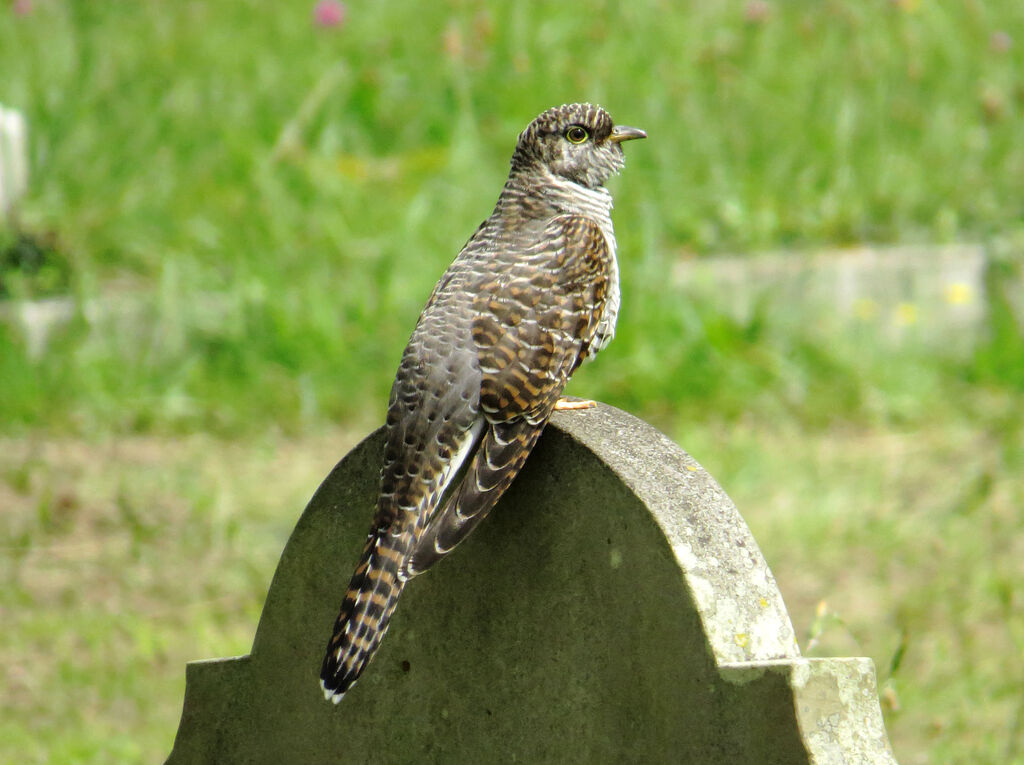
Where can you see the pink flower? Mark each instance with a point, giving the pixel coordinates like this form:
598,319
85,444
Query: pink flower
329,13
22,7
757,11
1001,42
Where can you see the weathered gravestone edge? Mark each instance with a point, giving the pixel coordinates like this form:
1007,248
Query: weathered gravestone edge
614,607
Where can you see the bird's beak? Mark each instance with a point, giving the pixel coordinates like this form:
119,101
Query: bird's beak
622,133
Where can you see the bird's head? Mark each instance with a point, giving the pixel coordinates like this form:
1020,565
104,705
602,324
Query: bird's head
576,141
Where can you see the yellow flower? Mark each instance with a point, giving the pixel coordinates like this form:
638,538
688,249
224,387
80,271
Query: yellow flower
958,293
865,309
906,314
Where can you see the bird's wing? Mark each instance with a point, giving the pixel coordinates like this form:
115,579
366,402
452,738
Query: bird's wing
433,426
378,580
533,323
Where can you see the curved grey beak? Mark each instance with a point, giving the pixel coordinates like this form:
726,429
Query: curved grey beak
622,133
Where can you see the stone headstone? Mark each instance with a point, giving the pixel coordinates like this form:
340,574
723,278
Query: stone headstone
931,294
13,158
613,608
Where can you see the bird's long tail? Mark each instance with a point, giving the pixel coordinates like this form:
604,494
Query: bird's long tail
369,602
502,454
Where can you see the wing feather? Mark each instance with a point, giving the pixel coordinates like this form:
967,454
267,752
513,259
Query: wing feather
532,327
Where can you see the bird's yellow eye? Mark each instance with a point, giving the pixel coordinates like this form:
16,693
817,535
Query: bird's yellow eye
577,134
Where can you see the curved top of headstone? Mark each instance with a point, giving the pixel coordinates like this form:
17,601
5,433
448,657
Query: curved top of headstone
739,603
613,607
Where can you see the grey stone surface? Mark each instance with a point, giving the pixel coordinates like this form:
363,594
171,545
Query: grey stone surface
934,294
613,608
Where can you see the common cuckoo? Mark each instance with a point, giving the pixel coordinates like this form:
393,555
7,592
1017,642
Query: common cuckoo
533,294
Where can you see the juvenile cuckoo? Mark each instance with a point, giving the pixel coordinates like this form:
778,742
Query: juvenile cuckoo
533,294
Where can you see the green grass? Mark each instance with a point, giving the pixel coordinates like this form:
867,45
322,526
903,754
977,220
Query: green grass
313,183
259,209
903,545
128,557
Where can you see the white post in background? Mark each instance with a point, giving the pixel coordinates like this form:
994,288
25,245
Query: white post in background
13,159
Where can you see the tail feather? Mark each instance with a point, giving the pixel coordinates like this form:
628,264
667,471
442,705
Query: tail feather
502,454
365,613
379,578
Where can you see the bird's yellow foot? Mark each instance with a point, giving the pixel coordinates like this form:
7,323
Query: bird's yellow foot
568,403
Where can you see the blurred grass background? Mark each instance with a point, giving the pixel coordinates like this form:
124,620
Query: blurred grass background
250,208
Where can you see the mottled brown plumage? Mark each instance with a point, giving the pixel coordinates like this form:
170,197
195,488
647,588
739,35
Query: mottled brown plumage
532,295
